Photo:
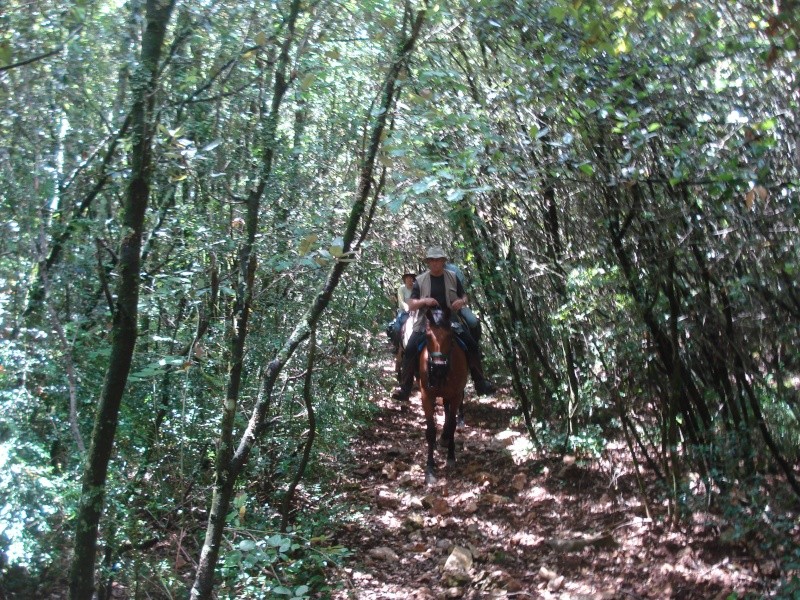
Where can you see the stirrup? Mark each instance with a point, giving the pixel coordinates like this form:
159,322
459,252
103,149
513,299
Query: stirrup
485,387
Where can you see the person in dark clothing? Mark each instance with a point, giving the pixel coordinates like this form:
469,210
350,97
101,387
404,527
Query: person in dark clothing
438,287
465,315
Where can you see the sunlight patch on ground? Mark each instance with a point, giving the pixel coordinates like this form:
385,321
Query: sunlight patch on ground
507,436
536,494
387,591
525,538
390,521
520,446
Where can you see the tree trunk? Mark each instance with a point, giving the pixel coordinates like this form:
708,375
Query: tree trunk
124,328
225,477
286,505
226,480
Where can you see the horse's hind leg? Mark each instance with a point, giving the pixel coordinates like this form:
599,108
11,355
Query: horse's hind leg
398,364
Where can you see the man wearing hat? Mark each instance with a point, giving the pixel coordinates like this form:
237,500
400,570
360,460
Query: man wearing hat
437,287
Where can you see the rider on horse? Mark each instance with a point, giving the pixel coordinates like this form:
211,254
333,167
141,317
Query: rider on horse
438,287
395,330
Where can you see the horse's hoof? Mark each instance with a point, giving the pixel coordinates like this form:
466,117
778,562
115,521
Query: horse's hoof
451,463
430,478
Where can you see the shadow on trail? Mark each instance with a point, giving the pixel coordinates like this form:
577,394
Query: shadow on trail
531,526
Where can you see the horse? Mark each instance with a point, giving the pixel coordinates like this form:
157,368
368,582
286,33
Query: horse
443,373
404,335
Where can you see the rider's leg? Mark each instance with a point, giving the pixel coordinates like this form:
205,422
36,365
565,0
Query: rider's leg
396,334
410,362
482,385
471,321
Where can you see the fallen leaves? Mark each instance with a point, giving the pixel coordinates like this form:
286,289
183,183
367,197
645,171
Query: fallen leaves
495,528
383,553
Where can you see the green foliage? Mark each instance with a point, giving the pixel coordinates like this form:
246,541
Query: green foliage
588,441
616,179
789,589
278,565
781,416
37,496
752,518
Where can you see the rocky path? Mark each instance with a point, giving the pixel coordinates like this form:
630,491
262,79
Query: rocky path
506,523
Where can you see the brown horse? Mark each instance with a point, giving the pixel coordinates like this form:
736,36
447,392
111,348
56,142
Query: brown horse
443,373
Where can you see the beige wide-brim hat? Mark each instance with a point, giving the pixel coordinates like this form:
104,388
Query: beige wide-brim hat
435,252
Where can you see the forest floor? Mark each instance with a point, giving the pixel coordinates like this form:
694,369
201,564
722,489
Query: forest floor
506,522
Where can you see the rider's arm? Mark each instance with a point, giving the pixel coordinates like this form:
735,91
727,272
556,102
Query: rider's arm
401,301
415,302
418,303
462,300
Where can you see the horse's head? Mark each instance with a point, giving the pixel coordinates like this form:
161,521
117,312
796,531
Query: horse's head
440,343
438,317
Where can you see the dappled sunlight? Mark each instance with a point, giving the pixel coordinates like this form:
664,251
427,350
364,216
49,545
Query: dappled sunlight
533,526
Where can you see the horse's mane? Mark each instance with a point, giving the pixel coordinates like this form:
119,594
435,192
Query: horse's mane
439,317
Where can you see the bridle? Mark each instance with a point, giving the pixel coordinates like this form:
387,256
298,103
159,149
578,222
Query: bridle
439,362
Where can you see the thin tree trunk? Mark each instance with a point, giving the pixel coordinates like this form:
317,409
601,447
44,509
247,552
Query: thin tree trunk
36,291
286,506
124,328
224,486
225,477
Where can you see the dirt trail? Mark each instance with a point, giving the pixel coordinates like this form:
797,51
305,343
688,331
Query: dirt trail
504,524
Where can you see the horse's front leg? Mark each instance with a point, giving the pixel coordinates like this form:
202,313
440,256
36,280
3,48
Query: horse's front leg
430,436
449,433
